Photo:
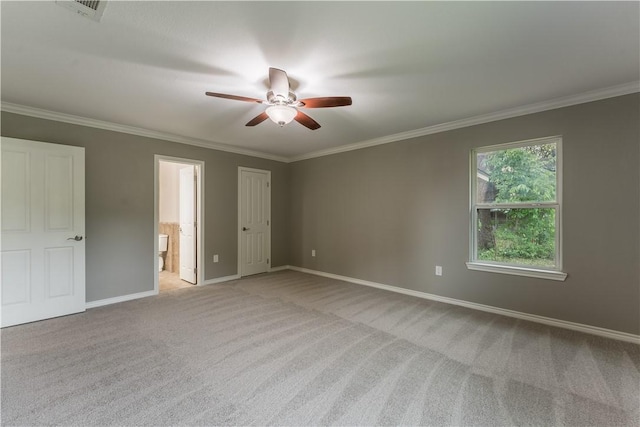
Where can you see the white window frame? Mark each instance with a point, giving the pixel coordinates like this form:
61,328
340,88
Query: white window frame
554,273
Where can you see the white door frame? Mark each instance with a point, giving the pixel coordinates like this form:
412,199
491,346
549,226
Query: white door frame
240,235
199,216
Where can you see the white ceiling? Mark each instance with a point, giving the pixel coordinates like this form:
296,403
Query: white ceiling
407,65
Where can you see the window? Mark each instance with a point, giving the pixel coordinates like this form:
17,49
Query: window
516,209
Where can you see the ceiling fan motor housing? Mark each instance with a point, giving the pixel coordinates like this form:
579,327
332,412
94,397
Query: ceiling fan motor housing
274,99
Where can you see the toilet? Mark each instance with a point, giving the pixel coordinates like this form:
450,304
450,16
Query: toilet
163,244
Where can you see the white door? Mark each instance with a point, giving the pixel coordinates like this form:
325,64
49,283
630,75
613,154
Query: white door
43,245
254,216
188,223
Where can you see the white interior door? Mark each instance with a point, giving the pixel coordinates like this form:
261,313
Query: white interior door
254,217
188,224
43,247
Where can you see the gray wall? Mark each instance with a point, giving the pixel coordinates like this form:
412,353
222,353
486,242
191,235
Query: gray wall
387,214
390,213
120,203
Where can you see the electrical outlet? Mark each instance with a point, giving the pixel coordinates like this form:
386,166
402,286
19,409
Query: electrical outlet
215,258
313,252
438,270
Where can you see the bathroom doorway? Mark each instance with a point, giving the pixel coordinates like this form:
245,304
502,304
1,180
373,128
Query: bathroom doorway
179,209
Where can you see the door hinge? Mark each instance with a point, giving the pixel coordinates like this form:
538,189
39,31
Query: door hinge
195,271
267,222
267,260
268,184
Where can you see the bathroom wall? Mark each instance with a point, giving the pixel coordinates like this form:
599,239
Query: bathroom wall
169,192
169,211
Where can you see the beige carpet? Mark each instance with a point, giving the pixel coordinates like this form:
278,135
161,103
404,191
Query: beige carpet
294,349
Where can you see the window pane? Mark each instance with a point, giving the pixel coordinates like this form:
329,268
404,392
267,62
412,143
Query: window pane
524,236
512,175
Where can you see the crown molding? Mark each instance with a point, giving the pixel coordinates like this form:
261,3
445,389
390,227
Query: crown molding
99,124
567,101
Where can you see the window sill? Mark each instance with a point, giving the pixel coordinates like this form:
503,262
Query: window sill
518,271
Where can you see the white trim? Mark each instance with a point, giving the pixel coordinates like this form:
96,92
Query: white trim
518,271
115,300
221,279
553,139
594,330
559,208
268,243
132,130
123,298
279,268
567,101
199,166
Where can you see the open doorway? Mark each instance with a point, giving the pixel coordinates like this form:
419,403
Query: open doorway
179,202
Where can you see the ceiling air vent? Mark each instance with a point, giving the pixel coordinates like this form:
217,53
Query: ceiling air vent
88,9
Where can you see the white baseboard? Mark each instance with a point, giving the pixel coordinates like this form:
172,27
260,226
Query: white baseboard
594,330
279,268
221,279
123,298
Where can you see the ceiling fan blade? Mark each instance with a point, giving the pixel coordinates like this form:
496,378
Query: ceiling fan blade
307,121
279,82
235,97
258,119
327,101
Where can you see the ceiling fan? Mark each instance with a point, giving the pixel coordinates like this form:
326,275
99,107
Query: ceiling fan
283,103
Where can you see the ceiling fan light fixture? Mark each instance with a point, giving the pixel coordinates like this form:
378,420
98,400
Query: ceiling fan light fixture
283,104
281,114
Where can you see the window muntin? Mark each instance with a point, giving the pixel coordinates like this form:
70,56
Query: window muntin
515,198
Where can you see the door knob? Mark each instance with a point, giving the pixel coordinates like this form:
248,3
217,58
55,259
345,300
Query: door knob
77,238
245,228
